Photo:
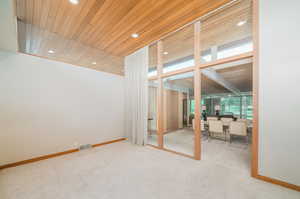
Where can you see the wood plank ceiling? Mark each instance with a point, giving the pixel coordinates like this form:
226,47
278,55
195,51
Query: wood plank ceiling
97,33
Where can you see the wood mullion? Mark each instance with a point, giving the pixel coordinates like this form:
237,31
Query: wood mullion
255,92
160,127
197,91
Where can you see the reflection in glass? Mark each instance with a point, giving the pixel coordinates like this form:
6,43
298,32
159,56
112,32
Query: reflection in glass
178,49
226,96
152,70
178,113
237,106
228,86
227,32
152,112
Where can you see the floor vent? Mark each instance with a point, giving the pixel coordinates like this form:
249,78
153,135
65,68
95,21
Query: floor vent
86,146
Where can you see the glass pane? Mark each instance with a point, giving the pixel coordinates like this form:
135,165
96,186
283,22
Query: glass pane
222,107
178,113
228,88
231,106
152,112
152,70
178,50
247,110
228,32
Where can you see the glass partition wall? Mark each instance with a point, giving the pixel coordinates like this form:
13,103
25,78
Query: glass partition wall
178,50
186,65
152,69
178,116
227,32
227,114
152,112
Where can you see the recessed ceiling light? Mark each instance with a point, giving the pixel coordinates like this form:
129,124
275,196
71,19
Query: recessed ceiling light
51,51
135,35
165,53
74,1
241,23
94,63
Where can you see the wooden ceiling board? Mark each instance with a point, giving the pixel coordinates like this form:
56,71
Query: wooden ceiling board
172,22
140,23
103,31
160,27
105,25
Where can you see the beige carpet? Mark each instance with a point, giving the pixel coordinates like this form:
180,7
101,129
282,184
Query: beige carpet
236,154
125,171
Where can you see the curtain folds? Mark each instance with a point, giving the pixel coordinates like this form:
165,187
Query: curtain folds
136,96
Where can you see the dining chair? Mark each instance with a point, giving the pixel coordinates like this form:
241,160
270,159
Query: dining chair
247,122
202,125
215,128
204,130
212,118
238,128
243,120
226,121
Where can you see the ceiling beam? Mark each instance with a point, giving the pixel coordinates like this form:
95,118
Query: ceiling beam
213,75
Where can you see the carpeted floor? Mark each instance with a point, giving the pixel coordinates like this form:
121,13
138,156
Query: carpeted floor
236,154
122,170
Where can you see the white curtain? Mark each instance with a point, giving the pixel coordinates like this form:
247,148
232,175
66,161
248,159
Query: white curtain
136,96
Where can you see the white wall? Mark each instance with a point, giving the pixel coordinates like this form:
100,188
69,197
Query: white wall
279,95
8,24
48,107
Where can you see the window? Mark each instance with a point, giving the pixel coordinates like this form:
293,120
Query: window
231,105
192,106
239,106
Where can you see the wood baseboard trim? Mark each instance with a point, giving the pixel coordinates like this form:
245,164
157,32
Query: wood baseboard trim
54,155
171,151
278,182
109,142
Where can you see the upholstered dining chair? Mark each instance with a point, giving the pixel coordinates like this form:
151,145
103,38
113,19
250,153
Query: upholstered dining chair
238,128
202,125
226,121
215,128
204,130
243,120
212,118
